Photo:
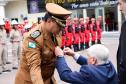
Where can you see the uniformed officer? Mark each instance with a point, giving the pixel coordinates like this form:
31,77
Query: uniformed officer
69,33
68,23
21,28
64,33
15,38
76,37
87,32
37,63
74,24
99,29
69,36
7,27
82,33
93,31
28,27
3,48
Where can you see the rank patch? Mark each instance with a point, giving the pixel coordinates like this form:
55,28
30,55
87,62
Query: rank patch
35,34
31,45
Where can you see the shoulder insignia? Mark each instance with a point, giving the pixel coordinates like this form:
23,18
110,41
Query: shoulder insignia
31,45
35,34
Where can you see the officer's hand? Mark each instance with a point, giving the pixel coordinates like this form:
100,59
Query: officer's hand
68,51
59,51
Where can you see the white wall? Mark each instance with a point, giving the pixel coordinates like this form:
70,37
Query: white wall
34,17
14,9
2,9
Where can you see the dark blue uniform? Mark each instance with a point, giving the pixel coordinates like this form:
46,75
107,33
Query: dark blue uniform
88,74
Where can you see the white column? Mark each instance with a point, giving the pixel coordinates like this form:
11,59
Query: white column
84,13
2,9
119,19
103,17
2,12
97,13
74,14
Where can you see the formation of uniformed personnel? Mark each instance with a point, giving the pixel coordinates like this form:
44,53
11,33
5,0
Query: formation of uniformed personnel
15,38
80,34
37,62
3,48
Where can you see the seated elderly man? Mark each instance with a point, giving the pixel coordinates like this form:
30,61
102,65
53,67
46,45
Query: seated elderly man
96,69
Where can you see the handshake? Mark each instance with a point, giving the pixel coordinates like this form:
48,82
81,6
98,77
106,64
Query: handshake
67,51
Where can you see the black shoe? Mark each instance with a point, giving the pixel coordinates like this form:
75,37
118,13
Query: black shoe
86,45
15,68
8,62
6,70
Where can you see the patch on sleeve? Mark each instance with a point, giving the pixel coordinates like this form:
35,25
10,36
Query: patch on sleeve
31,45
35,34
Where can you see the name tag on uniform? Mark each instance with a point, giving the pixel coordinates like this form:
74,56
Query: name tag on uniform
31,45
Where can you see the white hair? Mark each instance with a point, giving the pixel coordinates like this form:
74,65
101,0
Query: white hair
100,52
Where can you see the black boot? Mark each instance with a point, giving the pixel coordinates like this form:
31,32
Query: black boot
77,45
93,42
74,46
81,46
86,45
98,41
